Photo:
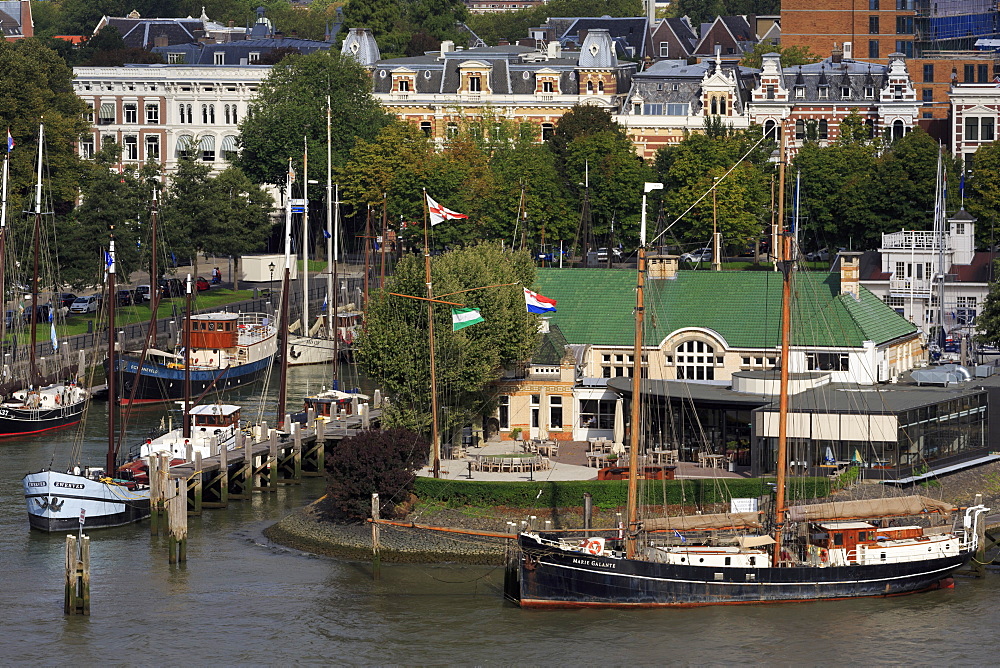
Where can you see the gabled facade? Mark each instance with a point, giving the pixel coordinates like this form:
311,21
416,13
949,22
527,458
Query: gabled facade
438,90
671,39
15,20
810,101
975,111
730,36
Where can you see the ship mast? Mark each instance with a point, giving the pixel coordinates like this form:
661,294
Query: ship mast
633,457
33,374
786,261
112,454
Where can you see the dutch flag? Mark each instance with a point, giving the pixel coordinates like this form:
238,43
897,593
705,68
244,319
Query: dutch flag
537,303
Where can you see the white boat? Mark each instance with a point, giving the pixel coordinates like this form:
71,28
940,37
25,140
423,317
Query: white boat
212,427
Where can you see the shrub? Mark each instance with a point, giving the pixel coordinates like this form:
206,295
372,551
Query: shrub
373,461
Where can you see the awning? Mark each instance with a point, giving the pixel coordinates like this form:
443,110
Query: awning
207,143
229,144
754,541
906,505
107,110
713,521
184,142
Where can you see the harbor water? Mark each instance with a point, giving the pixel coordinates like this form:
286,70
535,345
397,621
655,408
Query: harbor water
241,600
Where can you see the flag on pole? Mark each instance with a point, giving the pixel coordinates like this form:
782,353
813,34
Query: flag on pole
326,234
537,303
10,141
679,535
52,334
463,317
439,213
325,303
108,260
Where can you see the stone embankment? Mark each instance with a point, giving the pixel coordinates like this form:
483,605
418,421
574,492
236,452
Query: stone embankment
305,529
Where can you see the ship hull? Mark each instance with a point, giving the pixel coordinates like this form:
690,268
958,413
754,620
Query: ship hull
55,501
19,422
547,577
303,350
158,383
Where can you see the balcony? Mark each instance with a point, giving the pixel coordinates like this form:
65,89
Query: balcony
905,287
915,240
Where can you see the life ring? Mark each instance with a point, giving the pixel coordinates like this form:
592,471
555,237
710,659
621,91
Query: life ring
58,399
824,555
594,547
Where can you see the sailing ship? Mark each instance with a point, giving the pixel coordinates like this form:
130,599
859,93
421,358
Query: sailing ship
42,403
813,552
92,497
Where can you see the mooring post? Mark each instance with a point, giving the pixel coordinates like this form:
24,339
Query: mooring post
314,455
980,559
188,450
376,548
154,509
223,476
297,455
588,513
197,485
177,517
272,454
76,597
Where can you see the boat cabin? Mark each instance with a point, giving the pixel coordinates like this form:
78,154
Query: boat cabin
214,330
331,403
215,416
843,535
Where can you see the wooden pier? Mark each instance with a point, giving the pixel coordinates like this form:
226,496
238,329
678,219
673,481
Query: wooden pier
262,460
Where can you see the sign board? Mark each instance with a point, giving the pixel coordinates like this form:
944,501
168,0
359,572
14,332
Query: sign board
743,505
83,515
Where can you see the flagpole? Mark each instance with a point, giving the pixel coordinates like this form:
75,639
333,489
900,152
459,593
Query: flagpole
435,443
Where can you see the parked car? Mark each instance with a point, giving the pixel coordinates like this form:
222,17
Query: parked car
87,304
141,294
125,298
699,255
44,313
821,255
66,299
201,284
171,287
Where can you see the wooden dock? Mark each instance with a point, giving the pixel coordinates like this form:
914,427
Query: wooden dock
263,459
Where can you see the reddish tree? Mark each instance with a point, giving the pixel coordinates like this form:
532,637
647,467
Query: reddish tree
373,461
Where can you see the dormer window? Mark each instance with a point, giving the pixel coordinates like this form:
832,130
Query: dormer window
475,84
824,93
845,92
800,92
547,87
869,93
404,85
659,86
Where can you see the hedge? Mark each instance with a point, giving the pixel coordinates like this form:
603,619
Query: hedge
605,493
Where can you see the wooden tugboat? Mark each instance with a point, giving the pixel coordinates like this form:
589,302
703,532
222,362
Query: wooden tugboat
814,552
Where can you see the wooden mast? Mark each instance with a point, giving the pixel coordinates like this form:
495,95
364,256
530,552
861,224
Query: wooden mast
186,417
786,260
381,246
435,444
305,237
33,375
283,321
331,303
112,455
3,241
635,416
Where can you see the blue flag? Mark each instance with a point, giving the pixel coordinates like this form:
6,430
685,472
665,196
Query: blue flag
55,341
678,534
10,141
108,260
326,235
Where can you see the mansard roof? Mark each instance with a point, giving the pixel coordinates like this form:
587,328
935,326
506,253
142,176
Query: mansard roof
852,75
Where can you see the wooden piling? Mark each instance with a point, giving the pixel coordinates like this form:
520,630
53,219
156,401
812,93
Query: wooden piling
76,599
177,521
376,547
313,457
154,507
196,486
297,456
272,462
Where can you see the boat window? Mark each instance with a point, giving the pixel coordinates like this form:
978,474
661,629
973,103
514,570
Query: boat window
729,560
882,556
838,539
211,326
753,561
862,536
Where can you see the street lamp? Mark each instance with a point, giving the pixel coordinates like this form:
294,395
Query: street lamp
270,287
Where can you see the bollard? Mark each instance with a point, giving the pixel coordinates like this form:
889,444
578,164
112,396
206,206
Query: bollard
76,598
177,519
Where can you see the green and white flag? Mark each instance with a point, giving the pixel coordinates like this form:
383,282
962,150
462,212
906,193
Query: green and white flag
463,317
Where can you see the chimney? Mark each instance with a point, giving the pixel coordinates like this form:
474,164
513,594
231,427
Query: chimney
837,55
503,42
850,274
661,266
554,49
446,46
161,40
232,24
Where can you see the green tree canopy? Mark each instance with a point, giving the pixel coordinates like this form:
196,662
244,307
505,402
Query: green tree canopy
291,105
513,26
394,349
790,55
407,27
983,192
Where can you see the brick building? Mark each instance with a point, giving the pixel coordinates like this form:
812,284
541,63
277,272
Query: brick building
938,39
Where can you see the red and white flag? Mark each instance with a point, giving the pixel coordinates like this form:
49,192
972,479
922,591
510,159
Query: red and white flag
439,213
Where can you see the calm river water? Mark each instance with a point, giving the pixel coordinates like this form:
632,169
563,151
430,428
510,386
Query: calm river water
240,600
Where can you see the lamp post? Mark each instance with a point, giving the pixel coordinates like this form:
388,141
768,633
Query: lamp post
270,286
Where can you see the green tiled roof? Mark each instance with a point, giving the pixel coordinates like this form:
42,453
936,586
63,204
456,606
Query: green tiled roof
744,307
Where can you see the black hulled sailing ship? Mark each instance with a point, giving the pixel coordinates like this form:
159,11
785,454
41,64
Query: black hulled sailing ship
814,552
38,402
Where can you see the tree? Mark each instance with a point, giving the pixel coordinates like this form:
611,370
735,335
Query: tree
983,193
190,207
580,121
244,221
382,461
402,26
291,105
791,56
988,320
513,26
905,178
393,347
115,200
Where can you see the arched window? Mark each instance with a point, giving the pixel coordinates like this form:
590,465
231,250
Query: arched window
770,129
715,106
722,106
235,120
800,129
204,114
190,117
897,129
695,360
823,128
590,86
600,87
211,114
226,110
